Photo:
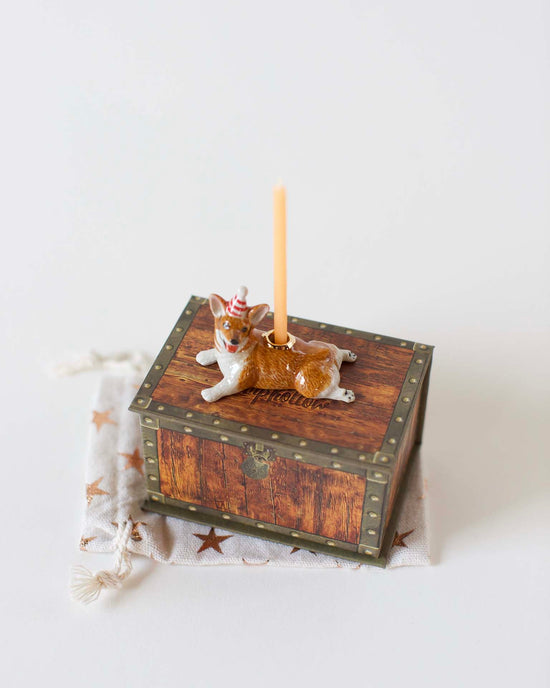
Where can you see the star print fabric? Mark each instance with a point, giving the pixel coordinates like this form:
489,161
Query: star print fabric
115,489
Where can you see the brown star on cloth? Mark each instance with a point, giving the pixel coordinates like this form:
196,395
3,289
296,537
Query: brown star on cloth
135,535
398,538
298,549
85,540
133,461
100,419
93,489
211,541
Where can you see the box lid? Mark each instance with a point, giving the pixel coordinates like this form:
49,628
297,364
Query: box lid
386,378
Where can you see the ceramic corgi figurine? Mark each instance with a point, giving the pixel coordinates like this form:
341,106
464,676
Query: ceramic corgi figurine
247,357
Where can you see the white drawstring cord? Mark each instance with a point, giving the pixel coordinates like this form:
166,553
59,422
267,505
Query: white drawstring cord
87,586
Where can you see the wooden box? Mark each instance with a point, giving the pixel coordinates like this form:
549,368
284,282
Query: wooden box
317,474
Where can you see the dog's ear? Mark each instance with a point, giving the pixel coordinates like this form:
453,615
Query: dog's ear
217,305
257,313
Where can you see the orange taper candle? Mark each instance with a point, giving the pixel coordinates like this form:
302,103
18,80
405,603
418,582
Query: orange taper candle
279,264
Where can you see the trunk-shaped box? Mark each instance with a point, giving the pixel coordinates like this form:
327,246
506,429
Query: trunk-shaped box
312,473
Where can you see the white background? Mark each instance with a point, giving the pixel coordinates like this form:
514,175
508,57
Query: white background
140,143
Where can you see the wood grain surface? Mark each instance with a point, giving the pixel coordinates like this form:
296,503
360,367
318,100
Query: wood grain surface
294,495
376,378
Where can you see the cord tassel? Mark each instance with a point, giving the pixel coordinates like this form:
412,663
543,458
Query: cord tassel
87,586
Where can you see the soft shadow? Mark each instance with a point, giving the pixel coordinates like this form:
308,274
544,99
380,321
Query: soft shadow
142,567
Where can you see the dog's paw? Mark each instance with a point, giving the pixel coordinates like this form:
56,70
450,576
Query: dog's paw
209,394
205,358
349,395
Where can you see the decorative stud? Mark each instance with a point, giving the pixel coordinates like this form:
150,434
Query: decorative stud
274,436
179,329
260,525
375,498
399,419
371,531
403,344
413,380
189,414
330,543
384,459
336,464
303,443
227,517
368,552
298,456
294,320
392,440
224,438
192,508
160,407
373,514
322,326
153,478
148,420
406,400
188,429
334,450
188,312
420,361
295,534
147,385
377,338
244,428
141,401
150,459
423,346
149,443
349,331
362,457
378,475
154,498
216,421
158,366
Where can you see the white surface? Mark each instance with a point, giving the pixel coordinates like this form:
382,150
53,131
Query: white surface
141,141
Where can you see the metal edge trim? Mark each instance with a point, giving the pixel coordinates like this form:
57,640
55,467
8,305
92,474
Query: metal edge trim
324,460
377,486
143,398
213,520
414,380
294,443
150,458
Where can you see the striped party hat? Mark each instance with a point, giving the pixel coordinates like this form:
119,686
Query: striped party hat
237,306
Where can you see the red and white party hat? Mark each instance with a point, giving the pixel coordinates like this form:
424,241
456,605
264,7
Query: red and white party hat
237,306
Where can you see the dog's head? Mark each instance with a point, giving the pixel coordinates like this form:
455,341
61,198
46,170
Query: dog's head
233,321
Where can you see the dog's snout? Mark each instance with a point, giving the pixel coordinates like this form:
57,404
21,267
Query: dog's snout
234,342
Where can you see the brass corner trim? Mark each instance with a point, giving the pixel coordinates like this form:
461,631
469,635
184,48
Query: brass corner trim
423,348
384,459
147,421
